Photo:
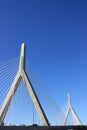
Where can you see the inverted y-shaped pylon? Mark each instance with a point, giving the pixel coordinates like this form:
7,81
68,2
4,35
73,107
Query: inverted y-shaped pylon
70,108
22,75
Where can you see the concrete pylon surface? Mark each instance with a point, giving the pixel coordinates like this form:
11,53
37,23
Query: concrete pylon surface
22,75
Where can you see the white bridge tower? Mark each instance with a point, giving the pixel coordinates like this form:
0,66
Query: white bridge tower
22,75
70,108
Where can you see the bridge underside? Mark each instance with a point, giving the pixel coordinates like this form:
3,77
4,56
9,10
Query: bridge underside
83,127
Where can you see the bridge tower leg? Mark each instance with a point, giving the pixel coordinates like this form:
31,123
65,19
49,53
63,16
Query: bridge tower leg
22,75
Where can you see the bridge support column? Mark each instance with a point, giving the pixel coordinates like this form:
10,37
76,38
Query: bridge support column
70,108
22,75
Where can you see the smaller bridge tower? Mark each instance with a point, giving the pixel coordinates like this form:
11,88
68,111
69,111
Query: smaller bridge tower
70,108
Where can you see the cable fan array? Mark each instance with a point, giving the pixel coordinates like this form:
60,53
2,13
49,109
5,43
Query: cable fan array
49,105
22,110
8,70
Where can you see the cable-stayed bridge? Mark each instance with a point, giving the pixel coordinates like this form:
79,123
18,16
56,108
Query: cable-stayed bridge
24,101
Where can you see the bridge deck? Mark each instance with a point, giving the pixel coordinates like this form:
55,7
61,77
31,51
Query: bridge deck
43,127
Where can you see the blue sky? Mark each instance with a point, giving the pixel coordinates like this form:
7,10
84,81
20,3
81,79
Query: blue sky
55,33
